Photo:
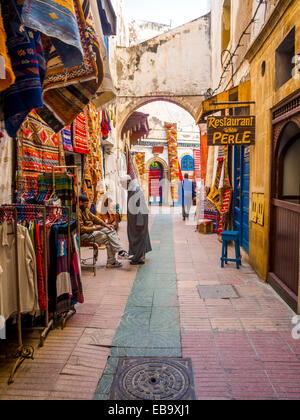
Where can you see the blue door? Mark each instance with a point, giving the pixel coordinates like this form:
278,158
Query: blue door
242,194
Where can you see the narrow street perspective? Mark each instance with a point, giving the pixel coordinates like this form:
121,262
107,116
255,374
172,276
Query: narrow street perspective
149,202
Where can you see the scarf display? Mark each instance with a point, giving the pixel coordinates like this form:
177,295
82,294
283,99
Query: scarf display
56,19
80,134
28,63
9,76
66,92
171,130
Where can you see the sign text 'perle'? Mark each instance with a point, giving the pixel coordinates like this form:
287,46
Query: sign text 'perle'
235,131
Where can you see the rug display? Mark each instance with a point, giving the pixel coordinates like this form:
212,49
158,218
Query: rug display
28,63
9,76
215,196
39,148
80,134
171,130
56,19
66,92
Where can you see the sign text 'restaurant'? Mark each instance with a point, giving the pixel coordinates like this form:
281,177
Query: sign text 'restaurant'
235,131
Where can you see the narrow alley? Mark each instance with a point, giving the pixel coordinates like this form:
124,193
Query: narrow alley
240,348
149,202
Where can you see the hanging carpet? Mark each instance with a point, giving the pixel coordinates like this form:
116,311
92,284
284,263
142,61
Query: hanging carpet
66,92
28,63
80,134
56,19
171,130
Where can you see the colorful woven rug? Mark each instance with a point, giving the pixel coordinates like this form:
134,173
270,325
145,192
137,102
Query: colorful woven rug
171,130
211,213
140,160
80,134
67,139
56,19
214,196
28,63
66,92
39,148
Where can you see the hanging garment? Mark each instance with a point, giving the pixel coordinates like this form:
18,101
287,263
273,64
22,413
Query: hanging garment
6,169
105,126
8,276
66,92
28,62
59,279
40,255
9,76
77,290
57,20
203,156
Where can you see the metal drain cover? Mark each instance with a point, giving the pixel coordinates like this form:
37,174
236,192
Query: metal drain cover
217,292
153,379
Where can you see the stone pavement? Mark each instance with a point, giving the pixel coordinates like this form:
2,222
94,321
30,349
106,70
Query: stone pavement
240,348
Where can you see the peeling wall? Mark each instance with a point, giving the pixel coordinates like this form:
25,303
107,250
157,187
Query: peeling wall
177,61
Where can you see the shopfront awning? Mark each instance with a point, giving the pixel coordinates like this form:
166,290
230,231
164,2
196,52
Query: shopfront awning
108,17
138,126
236,97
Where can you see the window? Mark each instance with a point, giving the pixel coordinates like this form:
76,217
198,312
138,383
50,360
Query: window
187,163
285,60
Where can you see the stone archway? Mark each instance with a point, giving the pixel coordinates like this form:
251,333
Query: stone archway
166,179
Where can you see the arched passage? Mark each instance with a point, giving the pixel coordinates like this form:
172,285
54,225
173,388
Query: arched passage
164,179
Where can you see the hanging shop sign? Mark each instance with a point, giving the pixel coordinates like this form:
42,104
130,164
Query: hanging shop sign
234,131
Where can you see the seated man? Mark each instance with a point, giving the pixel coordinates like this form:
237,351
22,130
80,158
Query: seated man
108,214
93,229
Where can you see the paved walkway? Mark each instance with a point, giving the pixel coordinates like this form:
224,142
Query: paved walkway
240,348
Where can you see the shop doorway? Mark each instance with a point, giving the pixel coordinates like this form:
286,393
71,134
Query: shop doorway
156,176
285,214
241,194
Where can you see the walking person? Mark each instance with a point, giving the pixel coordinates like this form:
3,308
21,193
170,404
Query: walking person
185,196
93,229
137,223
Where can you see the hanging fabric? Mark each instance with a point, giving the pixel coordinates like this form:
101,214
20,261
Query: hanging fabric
80,134
67,139
171,130
28,63
66,92
57,20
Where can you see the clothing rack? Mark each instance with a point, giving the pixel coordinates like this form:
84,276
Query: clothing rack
10,213
13,213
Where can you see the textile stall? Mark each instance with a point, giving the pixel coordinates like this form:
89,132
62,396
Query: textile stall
40,275
54,64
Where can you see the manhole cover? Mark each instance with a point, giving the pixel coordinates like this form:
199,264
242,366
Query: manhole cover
153,379
217,292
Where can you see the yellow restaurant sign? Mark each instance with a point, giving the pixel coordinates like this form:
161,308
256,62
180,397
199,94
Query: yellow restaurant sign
235,131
